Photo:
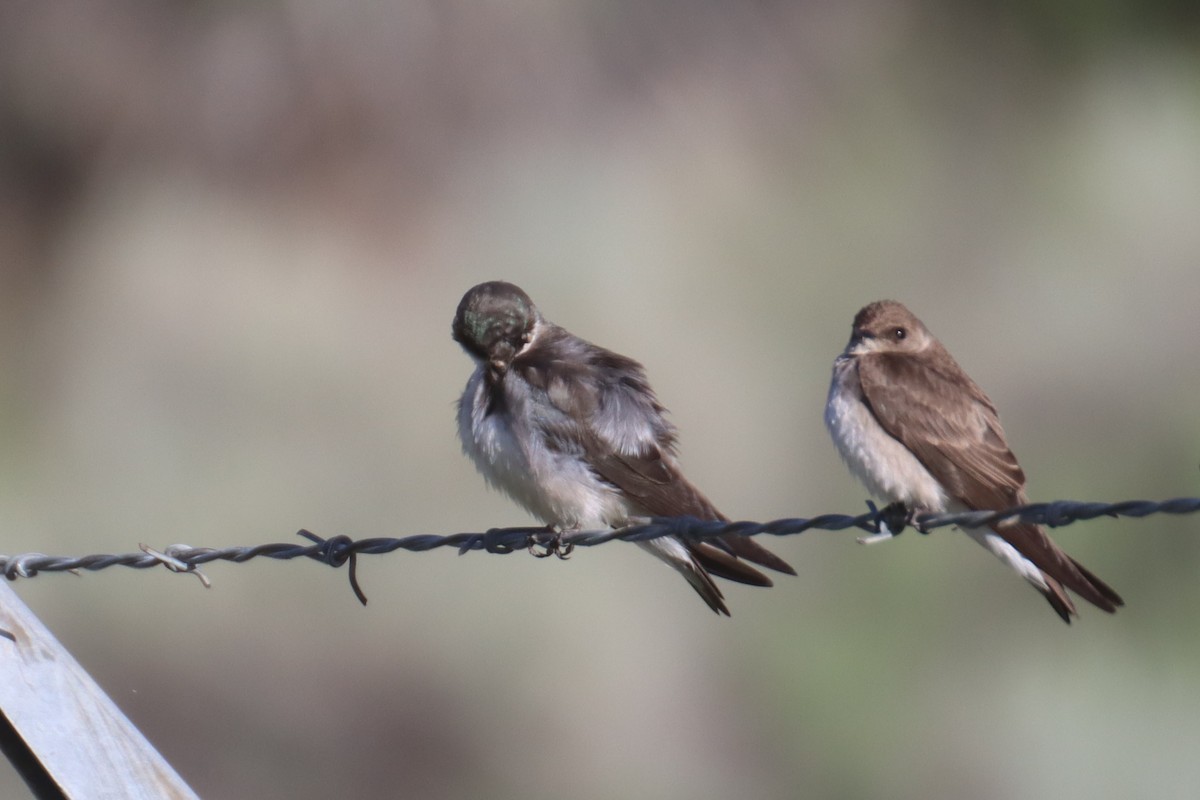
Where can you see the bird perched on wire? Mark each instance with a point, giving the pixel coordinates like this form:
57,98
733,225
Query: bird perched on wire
575,434
916,430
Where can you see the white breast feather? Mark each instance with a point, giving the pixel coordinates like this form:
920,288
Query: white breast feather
886,467
557,488
889,469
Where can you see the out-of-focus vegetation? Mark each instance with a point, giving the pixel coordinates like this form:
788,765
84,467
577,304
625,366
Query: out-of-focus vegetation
232,237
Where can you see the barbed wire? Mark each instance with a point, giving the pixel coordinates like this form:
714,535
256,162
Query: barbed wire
338,550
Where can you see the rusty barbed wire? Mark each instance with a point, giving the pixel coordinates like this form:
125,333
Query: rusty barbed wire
338,550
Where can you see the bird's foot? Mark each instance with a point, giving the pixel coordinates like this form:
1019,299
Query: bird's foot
917,525
550,544
893,519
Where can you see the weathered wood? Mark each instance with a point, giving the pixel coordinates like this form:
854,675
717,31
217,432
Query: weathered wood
61,721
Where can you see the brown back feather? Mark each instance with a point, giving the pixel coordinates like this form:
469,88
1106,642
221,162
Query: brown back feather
935,410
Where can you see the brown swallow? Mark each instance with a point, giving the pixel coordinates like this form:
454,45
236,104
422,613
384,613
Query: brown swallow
916,430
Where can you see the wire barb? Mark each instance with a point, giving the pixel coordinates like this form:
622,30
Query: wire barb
174,564
341,549
335,552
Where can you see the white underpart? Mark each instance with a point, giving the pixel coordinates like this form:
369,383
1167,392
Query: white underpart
1009,555
885,466
559,489
673,552
556,488
890,471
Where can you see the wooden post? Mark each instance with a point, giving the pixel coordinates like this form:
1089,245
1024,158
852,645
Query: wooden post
63,734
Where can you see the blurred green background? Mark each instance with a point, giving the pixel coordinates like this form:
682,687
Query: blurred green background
232,238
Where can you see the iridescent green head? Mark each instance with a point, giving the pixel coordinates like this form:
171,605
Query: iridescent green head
494,321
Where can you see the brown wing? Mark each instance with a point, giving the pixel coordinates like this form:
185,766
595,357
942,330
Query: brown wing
935,410
609,410
948,423
658,487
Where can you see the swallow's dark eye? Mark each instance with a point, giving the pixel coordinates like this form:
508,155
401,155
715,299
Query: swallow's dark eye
899,333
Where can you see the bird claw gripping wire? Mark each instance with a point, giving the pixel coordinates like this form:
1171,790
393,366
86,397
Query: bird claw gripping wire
891,521
551,543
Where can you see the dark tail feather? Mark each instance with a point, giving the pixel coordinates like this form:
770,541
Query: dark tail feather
1057,596
724,565
740,546
1033,543
747,548
1102,596
1106,591
699,579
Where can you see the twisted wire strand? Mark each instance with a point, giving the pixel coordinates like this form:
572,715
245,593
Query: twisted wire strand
338,550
